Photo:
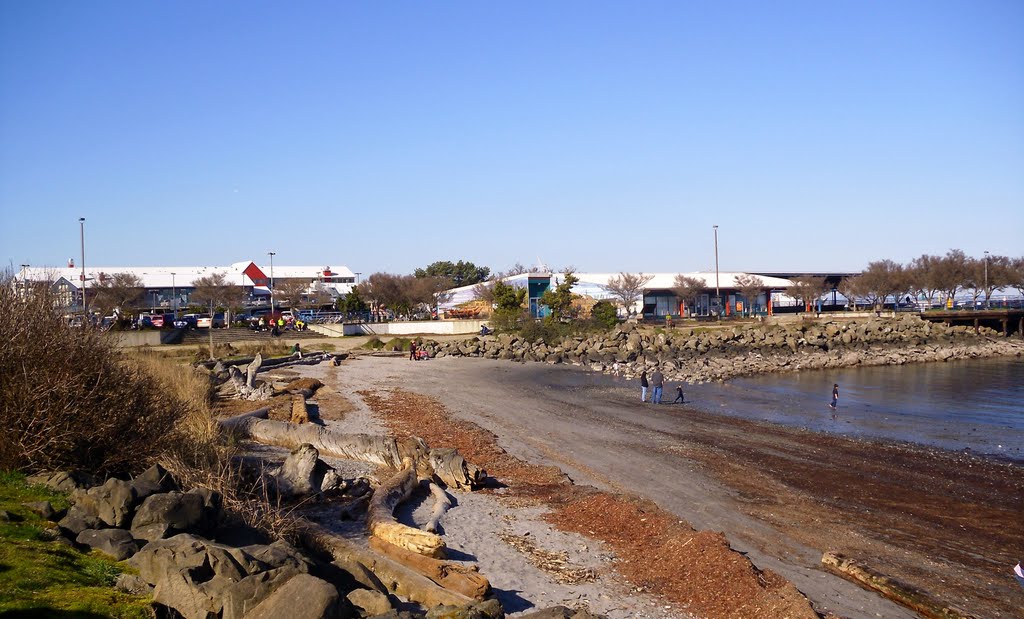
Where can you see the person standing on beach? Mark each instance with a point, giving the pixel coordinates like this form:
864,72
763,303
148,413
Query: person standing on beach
412,350
643,386
658,382
835,396
680,398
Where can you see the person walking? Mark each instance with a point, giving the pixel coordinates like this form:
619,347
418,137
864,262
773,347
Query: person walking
679,395
412,350
835,396
658,382
643,386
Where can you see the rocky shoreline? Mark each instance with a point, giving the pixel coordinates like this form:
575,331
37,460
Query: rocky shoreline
698,355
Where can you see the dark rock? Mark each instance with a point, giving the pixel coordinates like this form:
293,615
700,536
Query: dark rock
152,532
181,512
301,597
117,543
61,481
42,508
554,612
78,520
112,502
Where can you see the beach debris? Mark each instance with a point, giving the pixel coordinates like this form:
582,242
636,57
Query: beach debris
555,563
441,505
465,579
899,592
380,519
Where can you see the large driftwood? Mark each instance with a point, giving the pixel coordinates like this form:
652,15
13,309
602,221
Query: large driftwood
466,580
381,521
899,592
379,572
450,467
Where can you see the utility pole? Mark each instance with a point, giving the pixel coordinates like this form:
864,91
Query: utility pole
174,297
987,304
24,283
271,254
718,292
85,299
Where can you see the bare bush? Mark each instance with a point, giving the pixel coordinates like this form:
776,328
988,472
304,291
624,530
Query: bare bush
69,399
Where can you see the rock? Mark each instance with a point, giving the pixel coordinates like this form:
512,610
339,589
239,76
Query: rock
154,480
61,481
301,597
113,502
487,609
371,603
152,532
245,595
117,543
176,510
6,516
41,508
78,520
278,554
133,584
554,612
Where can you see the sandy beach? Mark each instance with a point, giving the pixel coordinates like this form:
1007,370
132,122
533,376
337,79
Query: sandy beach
942,522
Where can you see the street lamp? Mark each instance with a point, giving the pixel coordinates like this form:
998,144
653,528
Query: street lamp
174,297
85,299
718,292
271,254
24,284
987,305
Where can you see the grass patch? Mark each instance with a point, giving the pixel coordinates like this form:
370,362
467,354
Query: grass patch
43,578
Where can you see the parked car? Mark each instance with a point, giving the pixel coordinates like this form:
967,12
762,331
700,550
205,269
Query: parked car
203,321
188,321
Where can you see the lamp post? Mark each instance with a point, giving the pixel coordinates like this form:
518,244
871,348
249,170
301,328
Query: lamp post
718,292
271,254
24,284
174,297
85,299
987,305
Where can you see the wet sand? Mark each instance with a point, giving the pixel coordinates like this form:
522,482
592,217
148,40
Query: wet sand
945,522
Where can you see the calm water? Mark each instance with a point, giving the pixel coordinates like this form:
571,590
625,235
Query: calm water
976,404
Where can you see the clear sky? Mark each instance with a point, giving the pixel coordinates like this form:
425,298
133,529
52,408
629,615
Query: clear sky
608,136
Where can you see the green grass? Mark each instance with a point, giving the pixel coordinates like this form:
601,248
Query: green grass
40,578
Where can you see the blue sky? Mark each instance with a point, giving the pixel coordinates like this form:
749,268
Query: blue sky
605,136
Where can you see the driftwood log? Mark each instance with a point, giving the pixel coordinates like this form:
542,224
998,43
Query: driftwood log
901,593
466,580
381,521
450,467
379,572
300,414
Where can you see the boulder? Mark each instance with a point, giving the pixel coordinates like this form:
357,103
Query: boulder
112,503
117,543
487,609
301,597
78,520
174,510
42,508
61,481
371,603
133,584
154,480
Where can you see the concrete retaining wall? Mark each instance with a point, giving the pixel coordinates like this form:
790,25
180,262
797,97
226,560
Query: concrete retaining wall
128,339
427,327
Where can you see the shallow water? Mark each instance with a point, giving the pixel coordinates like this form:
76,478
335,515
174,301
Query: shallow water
971,404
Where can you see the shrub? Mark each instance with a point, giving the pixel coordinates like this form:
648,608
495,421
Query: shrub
603,313
68,398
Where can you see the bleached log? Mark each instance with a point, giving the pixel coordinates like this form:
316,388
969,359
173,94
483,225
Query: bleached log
463,579
377,571
450,467
441,505
380,518
251,370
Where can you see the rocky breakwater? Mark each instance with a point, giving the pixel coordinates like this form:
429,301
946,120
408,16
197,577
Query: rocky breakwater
706,354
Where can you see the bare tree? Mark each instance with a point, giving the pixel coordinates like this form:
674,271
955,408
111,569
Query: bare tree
214,290
688,289
952,273
293,291
883,278
628,288
807,289
852,288
750,287
1017,274
117,292
432,291
994,273
924,276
